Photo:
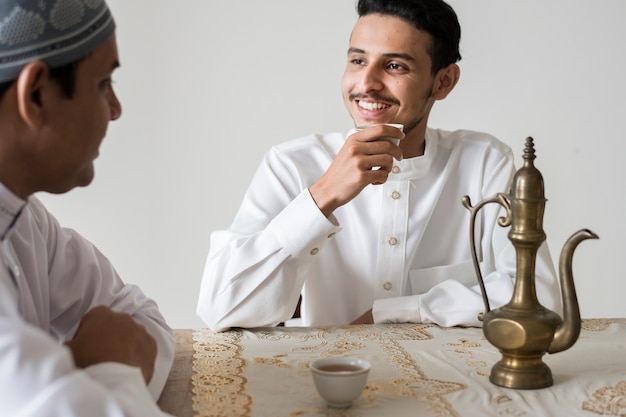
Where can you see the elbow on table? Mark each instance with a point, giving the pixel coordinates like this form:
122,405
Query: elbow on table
220,321
211,318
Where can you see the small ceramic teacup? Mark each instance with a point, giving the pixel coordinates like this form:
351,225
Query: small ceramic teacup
392,140
340,380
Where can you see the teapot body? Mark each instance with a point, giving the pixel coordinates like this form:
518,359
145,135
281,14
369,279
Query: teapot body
522,337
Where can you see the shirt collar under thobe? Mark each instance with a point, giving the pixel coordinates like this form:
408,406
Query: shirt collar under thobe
10,208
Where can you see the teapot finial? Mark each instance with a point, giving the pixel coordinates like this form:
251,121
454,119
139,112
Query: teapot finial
529,151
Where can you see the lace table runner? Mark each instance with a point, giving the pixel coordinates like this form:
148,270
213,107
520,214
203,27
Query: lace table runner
417,370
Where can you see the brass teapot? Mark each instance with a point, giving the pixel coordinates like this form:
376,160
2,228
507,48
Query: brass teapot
523,330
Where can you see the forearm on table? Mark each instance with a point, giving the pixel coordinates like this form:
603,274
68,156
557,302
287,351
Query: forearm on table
45,381
449,303
262,295
254,280
157,327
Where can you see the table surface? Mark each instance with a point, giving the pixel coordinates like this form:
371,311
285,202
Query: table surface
177,395
417,369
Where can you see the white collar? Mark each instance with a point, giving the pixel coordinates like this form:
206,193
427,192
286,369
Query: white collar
10,208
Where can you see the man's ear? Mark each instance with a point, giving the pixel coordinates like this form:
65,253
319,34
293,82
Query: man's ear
33,88
445,80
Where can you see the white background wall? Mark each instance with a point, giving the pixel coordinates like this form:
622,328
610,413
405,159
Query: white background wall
208,86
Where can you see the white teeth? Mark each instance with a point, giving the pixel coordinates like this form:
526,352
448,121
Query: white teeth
372,106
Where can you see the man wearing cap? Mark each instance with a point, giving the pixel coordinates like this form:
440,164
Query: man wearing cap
74,339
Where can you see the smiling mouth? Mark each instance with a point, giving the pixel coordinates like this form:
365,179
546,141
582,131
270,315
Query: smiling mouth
372,106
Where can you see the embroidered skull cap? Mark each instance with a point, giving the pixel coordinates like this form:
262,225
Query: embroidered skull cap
56,32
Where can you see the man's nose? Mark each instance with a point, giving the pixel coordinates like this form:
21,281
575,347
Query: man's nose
371,79
115,106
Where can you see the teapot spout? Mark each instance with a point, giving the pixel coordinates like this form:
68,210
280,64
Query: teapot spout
567,333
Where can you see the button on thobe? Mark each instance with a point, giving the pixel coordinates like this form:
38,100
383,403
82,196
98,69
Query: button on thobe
392,244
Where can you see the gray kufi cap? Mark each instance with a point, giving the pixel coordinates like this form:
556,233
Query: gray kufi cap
54,31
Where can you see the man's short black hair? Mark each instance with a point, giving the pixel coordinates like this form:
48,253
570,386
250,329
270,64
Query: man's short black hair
432,16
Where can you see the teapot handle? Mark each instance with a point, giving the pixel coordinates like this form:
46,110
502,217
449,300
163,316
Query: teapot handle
502,221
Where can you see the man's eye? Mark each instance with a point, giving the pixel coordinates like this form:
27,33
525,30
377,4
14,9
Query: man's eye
107,82
357,61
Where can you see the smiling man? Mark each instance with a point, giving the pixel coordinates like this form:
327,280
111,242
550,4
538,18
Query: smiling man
364,230
75,340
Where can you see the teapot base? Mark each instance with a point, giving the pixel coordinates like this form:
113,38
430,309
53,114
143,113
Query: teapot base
521,373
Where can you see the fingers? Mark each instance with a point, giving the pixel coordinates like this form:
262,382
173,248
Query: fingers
393,132
108,336
376,162
378,139
372,161
365,158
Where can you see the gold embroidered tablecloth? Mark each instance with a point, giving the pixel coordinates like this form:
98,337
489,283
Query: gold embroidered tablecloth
417,370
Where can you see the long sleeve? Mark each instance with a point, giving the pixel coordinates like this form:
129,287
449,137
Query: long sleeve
455,300
58,277
255,270
39,378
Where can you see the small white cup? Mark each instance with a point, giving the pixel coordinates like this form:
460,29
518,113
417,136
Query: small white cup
392,140
340,380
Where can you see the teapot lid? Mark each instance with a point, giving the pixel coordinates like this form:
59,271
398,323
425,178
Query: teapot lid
528,181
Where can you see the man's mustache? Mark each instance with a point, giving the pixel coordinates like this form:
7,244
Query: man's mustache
374,97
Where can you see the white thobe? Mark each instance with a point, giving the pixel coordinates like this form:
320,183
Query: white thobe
401,248
49,278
